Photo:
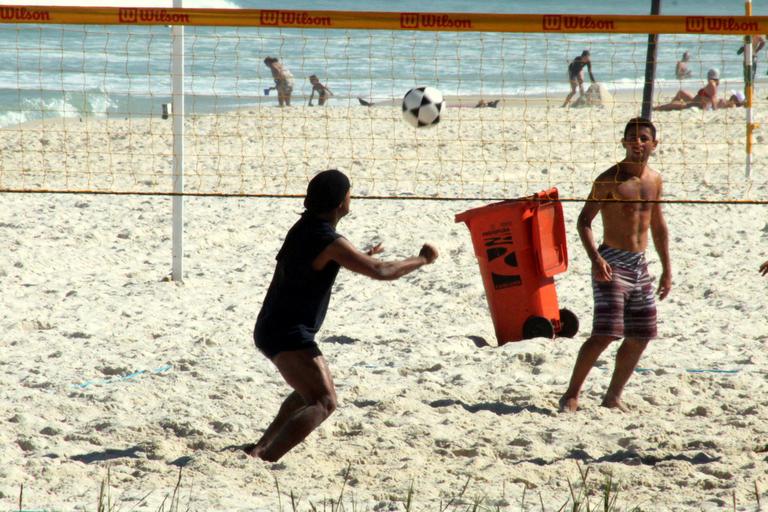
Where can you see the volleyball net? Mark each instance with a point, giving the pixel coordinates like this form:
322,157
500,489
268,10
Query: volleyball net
86,94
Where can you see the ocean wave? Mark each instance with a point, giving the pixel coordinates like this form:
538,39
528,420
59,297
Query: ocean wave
47,104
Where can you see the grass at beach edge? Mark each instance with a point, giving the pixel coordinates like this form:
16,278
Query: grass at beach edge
584,494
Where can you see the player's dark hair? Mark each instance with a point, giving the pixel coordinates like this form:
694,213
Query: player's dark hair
639,122
326,191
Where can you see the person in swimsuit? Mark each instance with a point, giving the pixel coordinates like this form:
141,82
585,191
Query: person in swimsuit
296,303
736,99
681,69
623,292
576,75
705,98
323,92
283,80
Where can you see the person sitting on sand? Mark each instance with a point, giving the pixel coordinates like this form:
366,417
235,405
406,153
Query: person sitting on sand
576,75
626,196
323,92
681,69
283,80
296,303
705,98
736,99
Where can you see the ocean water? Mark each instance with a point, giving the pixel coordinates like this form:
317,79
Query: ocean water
69,71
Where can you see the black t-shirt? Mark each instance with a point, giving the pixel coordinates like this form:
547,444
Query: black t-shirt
298,296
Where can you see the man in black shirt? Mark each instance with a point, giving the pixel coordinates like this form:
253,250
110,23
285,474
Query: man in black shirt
296,303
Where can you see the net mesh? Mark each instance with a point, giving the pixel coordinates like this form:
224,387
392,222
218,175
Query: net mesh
81,109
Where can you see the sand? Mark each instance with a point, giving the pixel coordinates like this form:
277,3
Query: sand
108,364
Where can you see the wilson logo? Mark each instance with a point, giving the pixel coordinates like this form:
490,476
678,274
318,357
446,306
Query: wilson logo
412,20
694,24
730,24
719,24
293,19
269,17
557,23
552,23
128,15
133,15
23,14
409,20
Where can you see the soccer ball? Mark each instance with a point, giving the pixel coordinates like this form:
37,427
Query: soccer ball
422,106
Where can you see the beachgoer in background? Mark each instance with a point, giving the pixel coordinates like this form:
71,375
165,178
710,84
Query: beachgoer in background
323,92
736,99
364,102
705,98
283,80
576,75
764,268
296,303
625,197
487,104
758,43
681,69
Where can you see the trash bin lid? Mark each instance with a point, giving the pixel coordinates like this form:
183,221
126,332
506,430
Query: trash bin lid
549,239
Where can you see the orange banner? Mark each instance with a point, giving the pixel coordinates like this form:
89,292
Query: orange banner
458,22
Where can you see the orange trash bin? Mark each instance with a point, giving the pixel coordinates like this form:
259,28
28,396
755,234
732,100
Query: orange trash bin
520,246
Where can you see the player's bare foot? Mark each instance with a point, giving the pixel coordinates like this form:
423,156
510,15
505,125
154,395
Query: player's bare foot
614,403
568,404
253,450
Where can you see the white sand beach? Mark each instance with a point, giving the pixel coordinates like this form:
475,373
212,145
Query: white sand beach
107,364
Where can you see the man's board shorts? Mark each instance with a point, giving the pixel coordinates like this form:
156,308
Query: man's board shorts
625,306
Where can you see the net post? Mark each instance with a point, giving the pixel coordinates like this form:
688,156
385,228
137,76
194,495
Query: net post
650,66
177,76
748,92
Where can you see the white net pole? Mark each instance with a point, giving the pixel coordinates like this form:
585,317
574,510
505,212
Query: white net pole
177,71
749,90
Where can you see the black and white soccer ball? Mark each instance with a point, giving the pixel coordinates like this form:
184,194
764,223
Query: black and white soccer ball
422,107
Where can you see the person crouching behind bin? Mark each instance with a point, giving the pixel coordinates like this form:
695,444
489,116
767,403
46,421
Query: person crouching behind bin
296,303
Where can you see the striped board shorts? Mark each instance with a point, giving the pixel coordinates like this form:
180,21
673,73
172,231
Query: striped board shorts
625,306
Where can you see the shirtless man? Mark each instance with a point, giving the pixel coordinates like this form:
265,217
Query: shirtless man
623,290
576,75
681,68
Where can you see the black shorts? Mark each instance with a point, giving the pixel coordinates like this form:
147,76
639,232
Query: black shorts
574,73
272,343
